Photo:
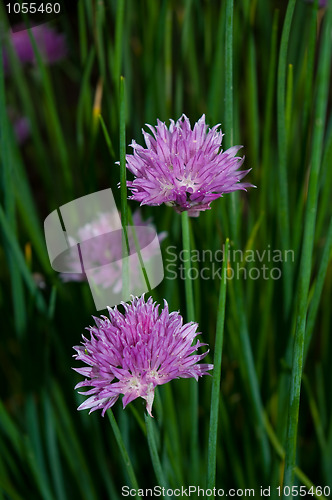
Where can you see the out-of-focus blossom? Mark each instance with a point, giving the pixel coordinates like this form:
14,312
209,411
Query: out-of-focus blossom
22,129
20,124
102,245
321,3
132,353
51,45
184,168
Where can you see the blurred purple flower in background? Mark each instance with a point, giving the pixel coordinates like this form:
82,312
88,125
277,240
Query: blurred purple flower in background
51,45
104,246
20,124
184,168
321,3
132,353
21,129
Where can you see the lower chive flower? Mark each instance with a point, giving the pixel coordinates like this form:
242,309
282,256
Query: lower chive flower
132,353
184,168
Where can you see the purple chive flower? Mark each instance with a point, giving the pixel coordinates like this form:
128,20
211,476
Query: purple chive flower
321,3
20,124
21,129
51,45
101,251
132,353
184,168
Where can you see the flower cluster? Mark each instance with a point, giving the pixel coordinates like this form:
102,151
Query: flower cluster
134,352
184,168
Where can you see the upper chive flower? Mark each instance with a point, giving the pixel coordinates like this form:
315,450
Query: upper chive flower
132,353
184,168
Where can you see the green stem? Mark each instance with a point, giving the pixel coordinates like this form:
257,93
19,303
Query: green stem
281,454
138,250
187,266
289,95
310,69
173,432
190,317
154,452
229,71
282,146
7,188
118,49
123,187
237,303
20,262
321,275
267,151
323,77
215,393
123,451
168,60
53,116
229,107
